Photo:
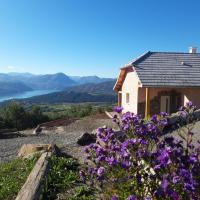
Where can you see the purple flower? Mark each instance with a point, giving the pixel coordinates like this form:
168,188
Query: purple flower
189,104
86,150
82,175
164,157
124,154
183,115
100,151
141,154
173,194
111,161
100,130
184,173
131,197
126,164
182,108
114,197
164,114
164,184
118,109
157,167
163,122
101,171
126,127
193,158
189,187
91,170
176,179
154,118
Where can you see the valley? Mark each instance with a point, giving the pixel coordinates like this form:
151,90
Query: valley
55,88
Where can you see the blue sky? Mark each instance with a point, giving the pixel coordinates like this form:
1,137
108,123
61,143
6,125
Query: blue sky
92,37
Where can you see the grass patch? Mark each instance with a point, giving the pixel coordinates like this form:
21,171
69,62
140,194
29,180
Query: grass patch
63,179
13,175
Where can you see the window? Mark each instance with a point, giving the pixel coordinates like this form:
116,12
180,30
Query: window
127,97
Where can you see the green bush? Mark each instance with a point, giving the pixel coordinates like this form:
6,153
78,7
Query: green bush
15,116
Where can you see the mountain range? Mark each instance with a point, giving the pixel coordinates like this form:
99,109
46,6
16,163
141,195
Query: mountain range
12,83
89,92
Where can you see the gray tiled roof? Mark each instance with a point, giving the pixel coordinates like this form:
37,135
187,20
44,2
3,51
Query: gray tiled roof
163,69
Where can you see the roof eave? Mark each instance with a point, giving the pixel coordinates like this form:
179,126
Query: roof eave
121,77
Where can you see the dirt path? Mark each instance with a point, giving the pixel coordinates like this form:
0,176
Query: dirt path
64,137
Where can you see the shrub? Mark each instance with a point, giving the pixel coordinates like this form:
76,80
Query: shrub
15,116
142,164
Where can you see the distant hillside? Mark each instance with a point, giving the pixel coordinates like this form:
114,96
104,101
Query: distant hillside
70,97
100,88
89,79
9,88
39,82
50,81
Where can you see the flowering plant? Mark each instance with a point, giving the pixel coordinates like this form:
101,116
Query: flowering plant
139,163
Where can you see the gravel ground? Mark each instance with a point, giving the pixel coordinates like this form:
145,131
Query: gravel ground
64,137
195,128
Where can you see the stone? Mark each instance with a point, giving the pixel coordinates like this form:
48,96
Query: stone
28,150
86,139
94,132
37,130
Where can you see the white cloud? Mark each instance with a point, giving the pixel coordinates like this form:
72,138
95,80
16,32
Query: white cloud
10,67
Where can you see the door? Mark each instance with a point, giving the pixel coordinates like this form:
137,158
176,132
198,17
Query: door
165,104
175,103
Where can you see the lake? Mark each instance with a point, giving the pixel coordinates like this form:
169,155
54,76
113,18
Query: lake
26,94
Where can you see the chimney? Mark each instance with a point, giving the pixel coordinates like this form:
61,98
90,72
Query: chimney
192,49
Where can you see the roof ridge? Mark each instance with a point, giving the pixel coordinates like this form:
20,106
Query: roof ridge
137,59
172,52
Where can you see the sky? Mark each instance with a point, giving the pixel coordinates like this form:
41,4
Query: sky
92,37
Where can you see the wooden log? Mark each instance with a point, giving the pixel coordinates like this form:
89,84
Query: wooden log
109,114
32,187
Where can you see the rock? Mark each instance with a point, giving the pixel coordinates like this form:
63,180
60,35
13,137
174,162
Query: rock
60,129
28,150
94,132
86,139
37,130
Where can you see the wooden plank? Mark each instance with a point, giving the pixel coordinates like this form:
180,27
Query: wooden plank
32,187
147,103
109,114
119,98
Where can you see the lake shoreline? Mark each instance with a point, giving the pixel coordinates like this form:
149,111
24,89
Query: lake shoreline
26,94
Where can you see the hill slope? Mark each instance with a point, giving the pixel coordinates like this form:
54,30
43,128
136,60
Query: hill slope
100,88
89,79
9,88
50,81
71,97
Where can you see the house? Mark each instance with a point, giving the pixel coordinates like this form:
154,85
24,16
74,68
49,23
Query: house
159,81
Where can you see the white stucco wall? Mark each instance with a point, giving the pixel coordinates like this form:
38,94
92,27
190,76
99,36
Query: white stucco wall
130,86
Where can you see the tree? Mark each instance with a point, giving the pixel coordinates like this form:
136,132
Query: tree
14,115
36,116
